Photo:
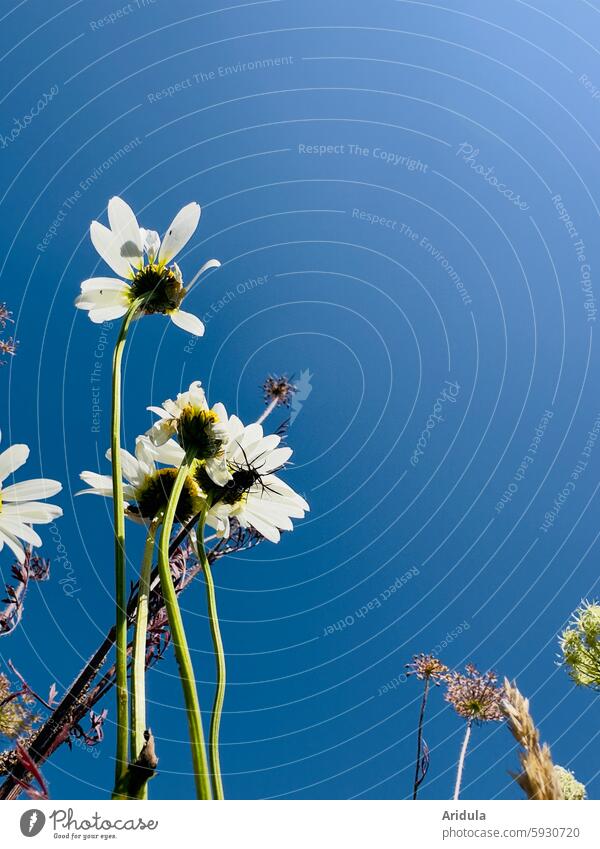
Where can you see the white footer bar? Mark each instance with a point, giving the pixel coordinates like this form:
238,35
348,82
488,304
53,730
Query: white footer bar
300,824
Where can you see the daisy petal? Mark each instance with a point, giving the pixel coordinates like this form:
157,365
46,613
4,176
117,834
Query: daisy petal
100,284
32,512
180,232
31,490
12,459
267,530
187,321
212,263
14,545
99,316
125,228
109,249
21,531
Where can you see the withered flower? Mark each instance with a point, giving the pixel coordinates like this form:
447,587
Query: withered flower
476,697
428,668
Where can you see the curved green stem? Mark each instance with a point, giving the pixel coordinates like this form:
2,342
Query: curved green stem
138,672
182,652
215,719
122,719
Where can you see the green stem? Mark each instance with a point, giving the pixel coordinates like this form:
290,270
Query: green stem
215,719
138,673
120,576
182,652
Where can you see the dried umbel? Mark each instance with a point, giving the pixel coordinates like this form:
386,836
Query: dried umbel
539,778
474,695
580,645
7,346
427,667
16,716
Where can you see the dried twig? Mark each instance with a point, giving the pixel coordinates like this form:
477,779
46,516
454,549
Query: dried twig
33,569
83,694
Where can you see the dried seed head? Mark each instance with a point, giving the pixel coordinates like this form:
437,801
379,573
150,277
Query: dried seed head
427,666
475,695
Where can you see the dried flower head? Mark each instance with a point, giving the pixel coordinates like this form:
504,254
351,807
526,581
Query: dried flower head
572,790
427,667
278,389
16,716
5,315
580,645
474,695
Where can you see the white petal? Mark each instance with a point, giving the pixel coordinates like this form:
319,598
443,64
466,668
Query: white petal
170,453
212,263
180,232
31,490
100,284
99,316
196,396
188,322
12,459
13,543
151,241
97,481
130,467
218,471
20,530
109,248
125,228
275,460
160,412
101,298
263,527
161,431
32,512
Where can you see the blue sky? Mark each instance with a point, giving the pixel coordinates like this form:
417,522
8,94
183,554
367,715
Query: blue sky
401,195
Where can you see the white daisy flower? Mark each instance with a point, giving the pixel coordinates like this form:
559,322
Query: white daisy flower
139,257
254,496
146,489
197,427
19,505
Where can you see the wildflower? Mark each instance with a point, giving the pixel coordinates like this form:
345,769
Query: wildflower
146,488
254,495
477,698
5,315
580,645
427,668
199,429
139,257
19,505
571,789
